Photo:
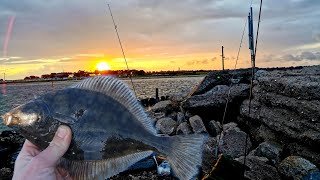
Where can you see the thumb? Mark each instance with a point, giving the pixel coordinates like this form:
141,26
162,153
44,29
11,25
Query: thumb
58,146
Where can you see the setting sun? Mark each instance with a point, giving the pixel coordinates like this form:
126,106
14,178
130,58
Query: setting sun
103,66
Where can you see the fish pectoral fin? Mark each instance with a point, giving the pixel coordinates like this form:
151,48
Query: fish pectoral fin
63,118
101,169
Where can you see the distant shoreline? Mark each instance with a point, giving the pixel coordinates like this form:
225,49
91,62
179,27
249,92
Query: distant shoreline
78,79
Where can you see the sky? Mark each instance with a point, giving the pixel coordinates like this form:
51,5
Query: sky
60,35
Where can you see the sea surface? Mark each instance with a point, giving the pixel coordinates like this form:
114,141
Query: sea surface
13,95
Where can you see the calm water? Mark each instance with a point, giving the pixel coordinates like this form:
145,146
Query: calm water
12,95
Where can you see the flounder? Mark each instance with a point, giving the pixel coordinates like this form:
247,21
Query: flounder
111,130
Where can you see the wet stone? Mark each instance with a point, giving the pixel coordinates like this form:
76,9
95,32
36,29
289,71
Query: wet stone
296,167
233,143
258,168
180,118
214,128
269,150
229,126
166,125
184,129
162,106
197,124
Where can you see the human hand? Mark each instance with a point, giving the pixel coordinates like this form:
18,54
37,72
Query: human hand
33,164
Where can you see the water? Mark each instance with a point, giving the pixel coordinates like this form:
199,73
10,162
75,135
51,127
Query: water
13,95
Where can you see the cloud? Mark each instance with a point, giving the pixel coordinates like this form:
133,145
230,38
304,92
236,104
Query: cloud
198,62
316,36
90,55
306,55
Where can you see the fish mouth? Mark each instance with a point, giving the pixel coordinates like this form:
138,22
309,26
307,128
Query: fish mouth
10,120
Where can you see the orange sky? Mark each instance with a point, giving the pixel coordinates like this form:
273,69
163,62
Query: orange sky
156,35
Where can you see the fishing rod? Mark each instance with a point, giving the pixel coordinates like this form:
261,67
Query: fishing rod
253,50
251,85
124,56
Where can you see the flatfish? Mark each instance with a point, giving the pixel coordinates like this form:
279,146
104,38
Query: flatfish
111,130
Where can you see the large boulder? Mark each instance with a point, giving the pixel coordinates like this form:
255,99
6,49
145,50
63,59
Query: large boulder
197,124
259,169
269,150
211,104
303,84
216,78
295,167
166,125
233,143
286,118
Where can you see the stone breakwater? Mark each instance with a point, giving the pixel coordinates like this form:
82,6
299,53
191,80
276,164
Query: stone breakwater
282,130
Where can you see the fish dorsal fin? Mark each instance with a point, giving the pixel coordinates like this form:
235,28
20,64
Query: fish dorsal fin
101,169
120,92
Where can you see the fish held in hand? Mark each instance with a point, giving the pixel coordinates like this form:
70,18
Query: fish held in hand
111,130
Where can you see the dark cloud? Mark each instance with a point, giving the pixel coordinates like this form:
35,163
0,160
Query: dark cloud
310,56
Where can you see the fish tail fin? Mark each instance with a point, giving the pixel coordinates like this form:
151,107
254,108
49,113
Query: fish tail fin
185,155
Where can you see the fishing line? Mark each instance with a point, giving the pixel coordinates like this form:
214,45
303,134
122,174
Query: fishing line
124,56
8,35
229,92
5,52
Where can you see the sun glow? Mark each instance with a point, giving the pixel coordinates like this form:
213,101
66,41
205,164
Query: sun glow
103,66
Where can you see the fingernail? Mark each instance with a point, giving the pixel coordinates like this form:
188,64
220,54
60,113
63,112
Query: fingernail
62,131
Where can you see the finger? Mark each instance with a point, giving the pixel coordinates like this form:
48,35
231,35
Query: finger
29,149
58,146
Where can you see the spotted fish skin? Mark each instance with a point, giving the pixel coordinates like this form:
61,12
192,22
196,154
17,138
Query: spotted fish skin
106,129
110,130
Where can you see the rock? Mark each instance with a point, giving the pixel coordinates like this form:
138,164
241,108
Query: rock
296,149
269,150
229,126
214,128
303,85
180,118
166,126
10,145
233,143
152,101
184,129
162,106
258,168
211,105
209,152
158,115
6,174
187,115
197,124
282,121
312,176
173,115
260,73
211,80
177,99
295,167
